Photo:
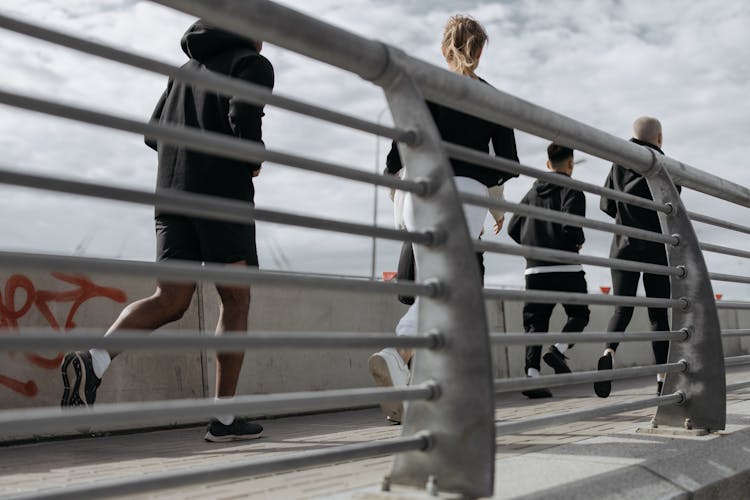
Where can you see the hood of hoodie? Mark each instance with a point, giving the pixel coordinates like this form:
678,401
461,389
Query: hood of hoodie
544,189
202,42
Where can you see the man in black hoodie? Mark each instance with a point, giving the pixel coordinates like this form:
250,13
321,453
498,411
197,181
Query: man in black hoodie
546,275
647,132
192,239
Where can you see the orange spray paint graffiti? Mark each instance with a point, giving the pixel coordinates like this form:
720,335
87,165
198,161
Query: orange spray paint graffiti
11,311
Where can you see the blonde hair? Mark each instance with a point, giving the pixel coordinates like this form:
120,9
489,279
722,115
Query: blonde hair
463,40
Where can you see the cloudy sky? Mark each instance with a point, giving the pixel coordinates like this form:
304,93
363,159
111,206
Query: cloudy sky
601,62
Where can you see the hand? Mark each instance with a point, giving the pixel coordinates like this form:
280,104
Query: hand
256,173
498,226
578,247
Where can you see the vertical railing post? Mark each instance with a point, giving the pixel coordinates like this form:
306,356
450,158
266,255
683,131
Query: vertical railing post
461,420
703,383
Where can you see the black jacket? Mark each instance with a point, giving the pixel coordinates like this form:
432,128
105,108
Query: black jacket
472,132
628,181
211,49
543,233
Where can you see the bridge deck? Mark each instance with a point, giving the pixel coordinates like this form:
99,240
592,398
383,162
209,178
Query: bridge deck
527,464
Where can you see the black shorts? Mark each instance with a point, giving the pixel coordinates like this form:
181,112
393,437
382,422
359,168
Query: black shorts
204,240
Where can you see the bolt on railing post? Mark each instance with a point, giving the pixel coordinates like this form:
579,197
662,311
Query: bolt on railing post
703,382
461,420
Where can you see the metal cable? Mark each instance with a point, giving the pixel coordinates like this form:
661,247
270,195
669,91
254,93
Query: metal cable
737,361
190,340
240,89
710,247
55,420
545,297
553,255
565,218
212,143
508,166
696,217
205,206
582,337
187,272
527,383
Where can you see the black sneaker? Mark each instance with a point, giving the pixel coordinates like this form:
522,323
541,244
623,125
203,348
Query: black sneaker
79,380
239,429
537,393
556,360
603,388
659,386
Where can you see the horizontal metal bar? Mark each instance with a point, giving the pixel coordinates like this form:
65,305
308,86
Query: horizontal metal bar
737,386
553,255
205,206
294,31
523,425
737,361
696,217
565,218
729,277
710,247
233,469
526,383
207,142
582,337
370,59
475,98
505,165
545,297
189,340
56,420
735,333
189,272
728,304
240,89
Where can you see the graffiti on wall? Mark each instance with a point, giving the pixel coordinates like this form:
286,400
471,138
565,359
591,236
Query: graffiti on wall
20,296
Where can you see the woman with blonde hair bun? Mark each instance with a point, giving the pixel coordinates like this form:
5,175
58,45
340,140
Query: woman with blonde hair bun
463,41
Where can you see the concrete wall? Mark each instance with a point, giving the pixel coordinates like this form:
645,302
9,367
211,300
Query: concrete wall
41,299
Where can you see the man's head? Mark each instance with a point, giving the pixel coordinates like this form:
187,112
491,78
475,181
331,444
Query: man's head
560,159
648,129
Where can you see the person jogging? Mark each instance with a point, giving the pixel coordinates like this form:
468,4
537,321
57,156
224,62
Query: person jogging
192,239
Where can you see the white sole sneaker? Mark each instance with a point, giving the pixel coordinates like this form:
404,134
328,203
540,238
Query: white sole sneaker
381,374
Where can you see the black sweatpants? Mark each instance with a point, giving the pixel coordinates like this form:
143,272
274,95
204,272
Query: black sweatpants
625,283
536,316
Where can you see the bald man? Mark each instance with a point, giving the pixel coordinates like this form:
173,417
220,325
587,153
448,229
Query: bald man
647,133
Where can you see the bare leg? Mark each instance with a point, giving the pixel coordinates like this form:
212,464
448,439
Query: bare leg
235,304
168,303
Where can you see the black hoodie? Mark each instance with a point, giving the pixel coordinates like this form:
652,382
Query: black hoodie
631,182
472,132
211,49
543,233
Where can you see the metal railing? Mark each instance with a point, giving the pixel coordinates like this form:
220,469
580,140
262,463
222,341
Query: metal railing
449,429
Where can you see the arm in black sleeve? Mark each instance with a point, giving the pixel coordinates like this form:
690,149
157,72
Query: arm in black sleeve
156,115
574,204
504,144
608,205
245,118
516,223
393,160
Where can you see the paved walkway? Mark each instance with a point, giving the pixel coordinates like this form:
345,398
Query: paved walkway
533,463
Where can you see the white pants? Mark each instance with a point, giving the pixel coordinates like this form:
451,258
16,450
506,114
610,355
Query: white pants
475,216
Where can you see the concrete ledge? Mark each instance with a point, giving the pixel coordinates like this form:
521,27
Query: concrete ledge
716,466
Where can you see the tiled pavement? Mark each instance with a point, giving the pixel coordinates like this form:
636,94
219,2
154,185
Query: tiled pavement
526,463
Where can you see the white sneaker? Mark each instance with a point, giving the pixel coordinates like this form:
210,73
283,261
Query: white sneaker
388,369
